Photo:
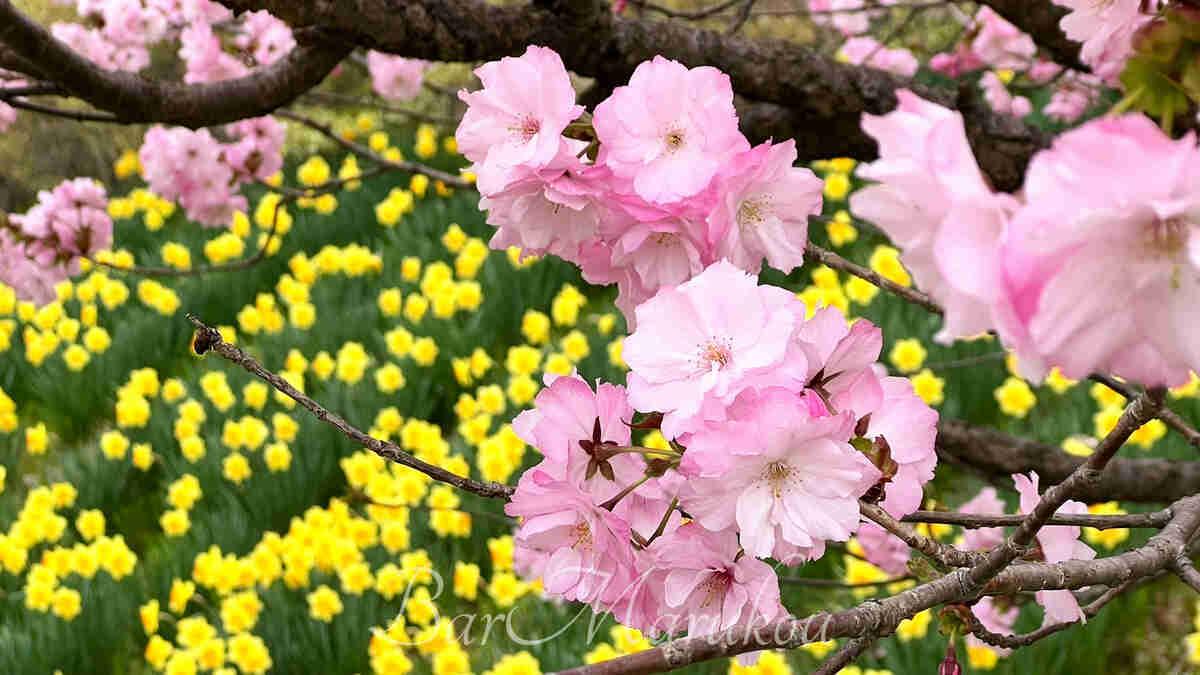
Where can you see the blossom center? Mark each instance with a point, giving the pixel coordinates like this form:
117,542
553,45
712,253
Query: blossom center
526,128
778,477
1166,238
716,352
582,534
751,212
665,238
714,587
674,139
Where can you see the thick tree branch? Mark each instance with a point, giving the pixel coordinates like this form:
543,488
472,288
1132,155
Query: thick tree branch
132,98
877,618
1000,455
822,99
209,339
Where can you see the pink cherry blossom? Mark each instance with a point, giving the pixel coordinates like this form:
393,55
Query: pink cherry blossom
191,166
510,129
1106,31
986,503
793,481
580,551
1091,209
264,37
200,49
669,130
999,98
1073,95
564,426
707,587
883,549
395,77
836,361
1000,44
44,246
1058,543
933,203
763,207
868,51
701,340
909,426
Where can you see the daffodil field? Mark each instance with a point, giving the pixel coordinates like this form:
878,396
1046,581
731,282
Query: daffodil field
166,512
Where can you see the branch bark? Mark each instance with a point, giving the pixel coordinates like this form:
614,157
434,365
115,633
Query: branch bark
816,99
132,98
390,451
1000,455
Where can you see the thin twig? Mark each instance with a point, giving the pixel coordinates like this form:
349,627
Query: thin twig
1157,519
839,263
362,150
1186,571
844,656
1168,416
209,339
947,555
77,115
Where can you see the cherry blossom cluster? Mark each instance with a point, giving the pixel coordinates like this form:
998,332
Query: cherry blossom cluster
203,173
117,34
649,191
778,426
44,246
1094,268
395,77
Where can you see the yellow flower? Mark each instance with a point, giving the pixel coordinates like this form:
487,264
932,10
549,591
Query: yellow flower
837,186
1105,420
67,603
356,578
907,355
861,291
982,657
323,365
454,238
491,399
90,525
424,350
114,444
390,301
1015,397
389,378
175,523
916,627
236,468
505,589
181,593
1188,390
314,171
566,305
1105,397
1148,434
149,616
184,492
575,346
885,260
1057,383
522,389
1078,446
535,326
249,653
840,230
466,580
929,387
1111,537
415,307
36,439
96,339
158,651
324,604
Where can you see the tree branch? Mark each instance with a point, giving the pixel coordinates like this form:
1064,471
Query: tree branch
971,521
999,455
844,656
133,98
837,262
209,339
1026,639
1168,416
881,617
945,554
824,98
